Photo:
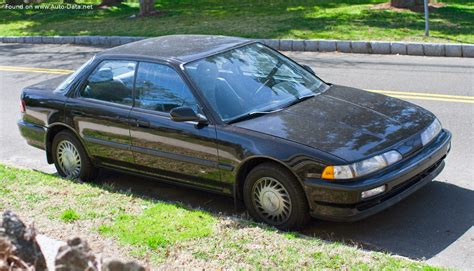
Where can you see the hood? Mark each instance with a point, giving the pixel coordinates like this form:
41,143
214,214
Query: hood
350,123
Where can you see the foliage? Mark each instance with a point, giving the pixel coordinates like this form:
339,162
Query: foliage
171,234
301,19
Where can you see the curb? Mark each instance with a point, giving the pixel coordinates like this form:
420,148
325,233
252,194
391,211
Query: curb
343,46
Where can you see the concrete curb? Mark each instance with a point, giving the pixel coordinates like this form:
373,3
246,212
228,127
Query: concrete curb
344,46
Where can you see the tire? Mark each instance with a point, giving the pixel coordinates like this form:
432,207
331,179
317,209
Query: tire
67,142
267,190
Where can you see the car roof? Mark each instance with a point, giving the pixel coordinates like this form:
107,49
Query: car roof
181,48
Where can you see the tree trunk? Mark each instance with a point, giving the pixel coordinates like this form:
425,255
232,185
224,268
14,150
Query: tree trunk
147,7
110,3
406,3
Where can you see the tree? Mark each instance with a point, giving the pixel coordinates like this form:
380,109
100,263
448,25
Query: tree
147,8
14,2
406,3
108,3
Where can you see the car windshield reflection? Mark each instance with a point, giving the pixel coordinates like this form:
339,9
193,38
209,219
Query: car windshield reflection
252,78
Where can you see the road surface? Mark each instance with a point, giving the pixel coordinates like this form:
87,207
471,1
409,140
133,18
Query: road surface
435,224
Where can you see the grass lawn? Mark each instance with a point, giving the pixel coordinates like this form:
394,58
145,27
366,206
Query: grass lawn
170,235
302,19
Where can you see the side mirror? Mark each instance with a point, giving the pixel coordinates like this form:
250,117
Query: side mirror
308,68
184,113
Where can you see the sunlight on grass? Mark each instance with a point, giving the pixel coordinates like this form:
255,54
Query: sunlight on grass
341,19
160,225
156,232
69,215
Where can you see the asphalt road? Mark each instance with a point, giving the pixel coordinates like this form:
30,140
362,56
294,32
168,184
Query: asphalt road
435,224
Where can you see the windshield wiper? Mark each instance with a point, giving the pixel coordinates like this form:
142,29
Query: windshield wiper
253,114
300,99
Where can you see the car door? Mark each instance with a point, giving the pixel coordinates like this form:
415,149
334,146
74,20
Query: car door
180,151
100,110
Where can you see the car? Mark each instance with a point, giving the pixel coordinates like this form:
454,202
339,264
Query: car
235,117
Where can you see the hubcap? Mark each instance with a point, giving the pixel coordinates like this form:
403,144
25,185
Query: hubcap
69,159
272,200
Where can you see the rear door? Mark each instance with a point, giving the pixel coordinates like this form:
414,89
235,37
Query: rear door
100,112
180,151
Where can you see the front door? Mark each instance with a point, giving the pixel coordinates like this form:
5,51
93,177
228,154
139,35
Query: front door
180,151
100,112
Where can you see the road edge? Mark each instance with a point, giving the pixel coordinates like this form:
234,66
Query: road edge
319,45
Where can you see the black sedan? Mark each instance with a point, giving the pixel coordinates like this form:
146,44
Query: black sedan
233,116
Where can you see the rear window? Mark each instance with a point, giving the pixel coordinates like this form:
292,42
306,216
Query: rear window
65,84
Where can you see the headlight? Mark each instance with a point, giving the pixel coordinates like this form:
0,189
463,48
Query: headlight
431,132
361,168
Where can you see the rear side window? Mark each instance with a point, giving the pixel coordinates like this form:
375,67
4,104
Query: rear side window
111,81
160,88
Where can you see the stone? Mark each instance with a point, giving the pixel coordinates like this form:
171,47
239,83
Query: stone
311,45
48,40
81,40
75,256
275,44
68,40
433,49
361,47
23,240
343,46
327,45
380,47
285,45
468,50
28,39
37,40
298,45
415,49
453,50
398,48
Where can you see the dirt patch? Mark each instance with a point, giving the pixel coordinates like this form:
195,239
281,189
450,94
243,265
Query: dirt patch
433,7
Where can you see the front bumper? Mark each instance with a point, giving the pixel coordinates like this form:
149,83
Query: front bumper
343,201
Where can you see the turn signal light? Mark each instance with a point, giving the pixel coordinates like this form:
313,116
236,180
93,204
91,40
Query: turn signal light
328,173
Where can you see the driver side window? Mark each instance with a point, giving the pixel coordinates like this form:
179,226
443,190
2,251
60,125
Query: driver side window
160,88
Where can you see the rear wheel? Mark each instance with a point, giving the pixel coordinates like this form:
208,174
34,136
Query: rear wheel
70,158
274,196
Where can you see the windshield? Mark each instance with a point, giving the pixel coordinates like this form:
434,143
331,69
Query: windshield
65,84
251,79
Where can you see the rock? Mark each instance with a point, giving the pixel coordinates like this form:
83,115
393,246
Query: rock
380,47
7,260
75,256
115,265
23,241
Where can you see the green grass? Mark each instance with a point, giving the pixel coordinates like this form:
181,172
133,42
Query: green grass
168,235
302,19
69,215
160,225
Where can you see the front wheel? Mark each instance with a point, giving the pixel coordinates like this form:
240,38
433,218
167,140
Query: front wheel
70,158
274,196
